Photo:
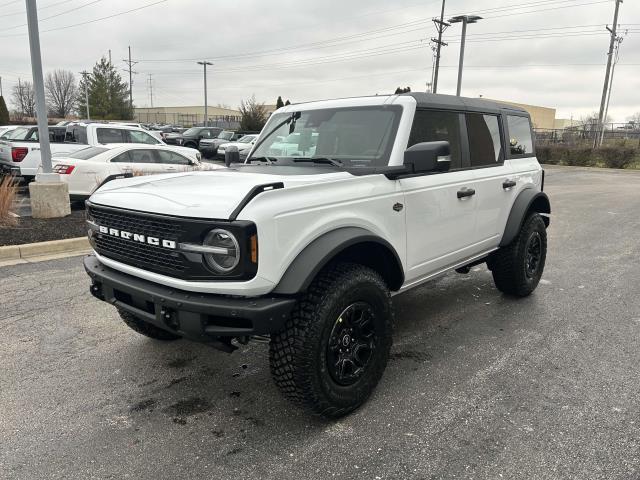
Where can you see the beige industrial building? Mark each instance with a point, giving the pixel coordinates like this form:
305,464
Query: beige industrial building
187,115
541,117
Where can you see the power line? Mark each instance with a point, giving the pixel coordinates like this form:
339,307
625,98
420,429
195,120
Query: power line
56,15
92,21
39,9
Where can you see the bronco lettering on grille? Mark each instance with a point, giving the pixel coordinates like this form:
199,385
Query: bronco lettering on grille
155,241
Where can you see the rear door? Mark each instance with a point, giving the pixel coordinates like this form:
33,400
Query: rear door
137,136
493,177
169,161
440,208
139,161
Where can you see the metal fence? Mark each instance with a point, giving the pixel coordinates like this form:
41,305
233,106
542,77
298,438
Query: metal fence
579,135
188,119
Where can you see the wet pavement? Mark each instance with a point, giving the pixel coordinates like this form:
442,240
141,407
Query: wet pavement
478,386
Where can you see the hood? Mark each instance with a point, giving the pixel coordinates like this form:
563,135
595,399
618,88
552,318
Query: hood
213,194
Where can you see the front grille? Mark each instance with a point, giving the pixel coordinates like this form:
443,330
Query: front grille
142,255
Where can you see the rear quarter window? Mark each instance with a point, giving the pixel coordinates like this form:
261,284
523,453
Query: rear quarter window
520,140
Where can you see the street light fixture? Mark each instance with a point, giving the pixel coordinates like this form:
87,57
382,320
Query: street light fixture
465,19
206,112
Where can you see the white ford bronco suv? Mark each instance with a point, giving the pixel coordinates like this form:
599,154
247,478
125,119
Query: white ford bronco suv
307,246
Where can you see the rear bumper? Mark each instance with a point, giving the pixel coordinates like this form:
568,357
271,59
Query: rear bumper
195,316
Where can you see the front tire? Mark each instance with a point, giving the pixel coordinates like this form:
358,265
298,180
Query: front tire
517,268
335,347
145,328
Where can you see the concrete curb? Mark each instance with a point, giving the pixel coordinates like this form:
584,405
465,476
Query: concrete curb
39,251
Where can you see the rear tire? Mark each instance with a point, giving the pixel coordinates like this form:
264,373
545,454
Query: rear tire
517,268
335,347
145,328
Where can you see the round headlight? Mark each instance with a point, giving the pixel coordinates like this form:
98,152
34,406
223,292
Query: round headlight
229,256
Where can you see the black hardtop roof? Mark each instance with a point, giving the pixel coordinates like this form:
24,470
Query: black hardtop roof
452,102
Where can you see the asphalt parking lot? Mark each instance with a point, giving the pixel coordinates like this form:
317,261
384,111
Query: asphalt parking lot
479,385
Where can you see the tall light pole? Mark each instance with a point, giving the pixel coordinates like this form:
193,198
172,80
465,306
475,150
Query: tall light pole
465,19
49,196
38,85
206,107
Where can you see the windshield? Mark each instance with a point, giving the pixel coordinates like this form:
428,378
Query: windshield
191,132
19,133
247,139
353,136
87,153
226,135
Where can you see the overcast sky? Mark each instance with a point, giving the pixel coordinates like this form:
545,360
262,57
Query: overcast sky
552,57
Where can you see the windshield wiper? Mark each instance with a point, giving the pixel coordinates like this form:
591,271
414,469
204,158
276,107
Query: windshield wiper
331,161
269,160
291,118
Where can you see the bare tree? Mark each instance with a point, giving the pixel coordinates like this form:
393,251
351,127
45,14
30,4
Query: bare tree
254,114
24,98
61,91
634,119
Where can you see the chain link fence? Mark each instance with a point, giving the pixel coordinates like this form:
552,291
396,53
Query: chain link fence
626,134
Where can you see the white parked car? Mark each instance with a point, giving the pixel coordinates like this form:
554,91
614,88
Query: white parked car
84,170
78,137
244,144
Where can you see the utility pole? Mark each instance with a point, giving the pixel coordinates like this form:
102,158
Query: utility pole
151,90
441,26
86,74
206,107
465,19
613,69
130,63
109,56
607,74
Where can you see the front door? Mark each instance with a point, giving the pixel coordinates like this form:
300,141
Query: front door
440,208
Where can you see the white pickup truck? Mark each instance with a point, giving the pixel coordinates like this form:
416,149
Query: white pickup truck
24,157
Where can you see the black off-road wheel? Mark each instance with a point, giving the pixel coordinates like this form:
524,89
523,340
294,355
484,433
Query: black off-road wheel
517,268
145,328
335,347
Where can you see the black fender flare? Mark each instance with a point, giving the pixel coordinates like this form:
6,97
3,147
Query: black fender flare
322,250
528,199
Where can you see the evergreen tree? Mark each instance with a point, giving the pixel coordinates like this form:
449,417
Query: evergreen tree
108,94
403,90
279,103
287,102
4,113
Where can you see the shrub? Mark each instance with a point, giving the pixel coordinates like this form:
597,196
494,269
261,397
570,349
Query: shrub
8,190
617,157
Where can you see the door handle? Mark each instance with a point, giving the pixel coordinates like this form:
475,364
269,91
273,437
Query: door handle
466,192
508,184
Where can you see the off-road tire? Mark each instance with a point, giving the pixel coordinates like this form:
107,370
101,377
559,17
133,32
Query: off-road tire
509,264
299,354
145,328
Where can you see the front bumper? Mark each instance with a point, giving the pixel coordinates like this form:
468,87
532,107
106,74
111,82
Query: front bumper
195,316
208,150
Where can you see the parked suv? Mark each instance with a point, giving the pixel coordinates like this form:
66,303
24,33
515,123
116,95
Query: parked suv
380,195
192,136
209,147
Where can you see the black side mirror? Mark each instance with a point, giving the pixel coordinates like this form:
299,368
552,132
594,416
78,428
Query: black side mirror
231,155
428,157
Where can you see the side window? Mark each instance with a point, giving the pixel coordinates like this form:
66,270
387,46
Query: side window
142,156
136,136
110,135
520,142
484,139
171,158
122,158
432,126
205,133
